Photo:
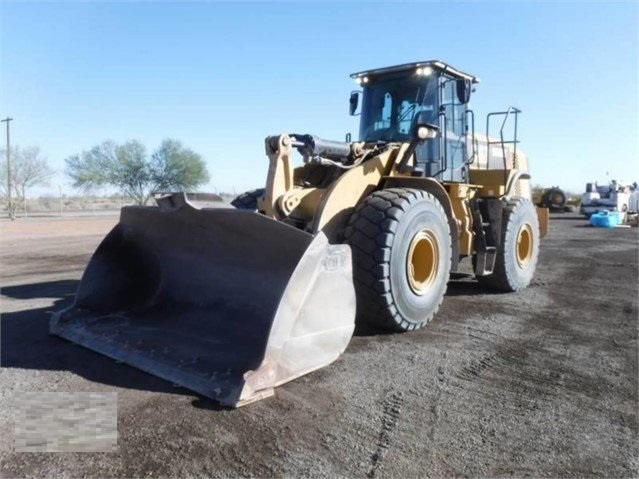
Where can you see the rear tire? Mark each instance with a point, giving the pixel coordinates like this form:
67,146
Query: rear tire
248,200
519,249
401,245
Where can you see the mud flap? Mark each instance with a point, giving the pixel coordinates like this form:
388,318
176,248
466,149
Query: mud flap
542,216
225,302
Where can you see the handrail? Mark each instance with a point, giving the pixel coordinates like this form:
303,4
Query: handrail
502,142
473,140
443,143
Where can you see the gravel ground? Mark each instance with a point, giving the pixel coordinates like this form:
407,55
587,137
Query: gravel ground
539,383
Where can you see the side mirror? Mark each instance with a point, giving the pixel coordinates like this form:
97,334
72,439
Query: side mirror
464,88
354,103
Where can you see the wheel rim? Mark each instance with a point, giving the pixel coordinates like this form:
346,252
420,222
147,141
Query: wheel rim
422,261
524,245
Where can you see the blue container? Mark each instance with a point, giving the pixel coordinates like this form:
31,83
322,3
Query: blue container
605,219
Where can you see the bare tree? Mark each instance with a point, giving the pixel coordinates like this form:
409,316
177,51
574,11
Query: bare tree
29,168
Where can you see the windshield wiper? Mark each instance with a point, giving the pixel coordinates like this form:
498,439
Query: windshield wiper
410,109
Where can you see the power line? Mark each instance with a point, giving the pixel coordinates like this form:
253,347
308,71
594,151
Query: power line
7,120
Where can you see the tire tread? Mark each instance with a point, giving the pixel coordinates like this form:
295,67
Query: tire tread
499,280
370,233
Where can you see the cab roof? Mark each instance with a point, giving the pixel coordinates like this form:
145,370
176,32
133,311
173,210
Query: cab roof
435,64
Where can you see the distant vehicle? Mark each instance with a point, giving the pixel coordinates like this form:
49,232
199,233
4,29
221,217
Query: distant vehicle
610,197
633,202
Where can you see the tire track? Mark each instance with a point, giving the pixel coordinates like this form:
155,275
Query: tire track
390,417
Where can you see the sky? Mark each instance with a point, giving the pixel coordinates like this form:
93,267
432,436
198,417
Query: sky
220,77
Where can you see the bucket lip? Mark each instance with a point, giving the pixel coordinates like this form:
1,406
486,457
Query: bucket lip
173,203
225,389
197,201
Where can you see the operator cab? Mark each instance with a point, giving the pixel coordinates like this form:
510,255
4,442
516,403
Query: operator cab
396,100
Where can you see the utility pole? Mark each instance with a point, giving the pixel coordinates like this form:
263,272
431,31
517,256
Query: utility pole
7,120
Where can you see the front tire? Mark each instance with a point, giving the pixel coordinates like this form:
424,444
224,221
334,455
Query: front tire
519,249
401,245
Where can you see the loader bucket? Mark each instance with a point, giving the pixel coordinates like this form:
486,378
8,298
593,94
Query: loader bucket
222,301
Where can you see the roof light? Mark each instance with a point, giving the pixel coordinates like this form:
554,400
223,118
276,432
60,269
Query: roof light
424,71
358,80
365,79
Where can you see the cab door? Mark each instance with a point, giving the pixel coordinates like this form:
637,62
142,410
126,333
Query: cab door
453,132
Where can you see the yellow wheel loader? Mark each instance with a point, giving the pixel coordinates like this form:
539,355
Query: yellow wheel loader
232,300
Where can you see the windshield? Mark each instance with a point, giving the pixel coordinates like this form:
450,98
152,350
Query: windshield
392,102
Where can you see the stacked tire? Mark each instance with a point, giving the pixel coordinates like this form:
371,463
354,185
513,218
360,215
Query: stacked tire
248,200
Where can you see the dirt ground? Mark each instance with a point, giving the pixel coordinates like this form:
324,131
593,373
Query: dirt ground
540,383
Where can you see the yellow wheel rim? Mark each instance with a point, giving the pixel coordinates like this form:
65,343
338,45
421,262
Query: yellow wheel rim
524,245
422,261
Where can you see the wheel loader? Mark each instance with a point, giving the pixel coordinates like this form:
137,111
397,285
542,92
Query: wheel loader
232,300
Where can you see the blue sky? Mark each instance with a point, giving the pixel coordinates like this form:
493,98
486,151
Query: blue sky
222,76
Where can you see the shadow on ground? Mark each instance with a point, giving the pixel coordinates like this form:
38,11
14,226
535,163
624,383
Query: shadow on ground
461,284
26,343
468,288
52,289
566,216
